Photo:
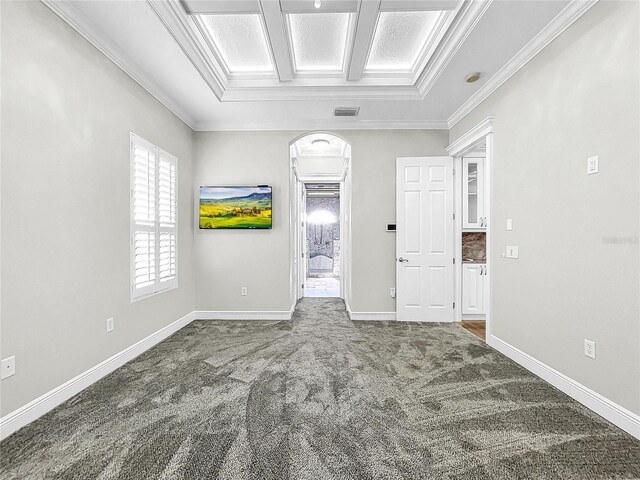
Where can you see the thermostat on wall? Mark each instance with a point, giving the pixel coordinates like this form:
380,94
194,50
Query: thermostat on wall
391,227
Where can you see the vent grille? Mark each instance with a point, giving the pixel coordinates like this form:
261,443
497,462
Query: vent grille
346,111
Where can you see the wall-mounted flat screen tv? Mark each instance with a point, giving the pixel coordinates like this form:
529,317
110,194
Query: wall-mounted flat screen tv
235,207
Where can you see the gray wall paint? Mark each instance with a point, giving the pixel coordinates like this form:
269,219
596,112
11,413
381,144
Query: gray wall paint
65,204
260,260
374,205
579,97
230,259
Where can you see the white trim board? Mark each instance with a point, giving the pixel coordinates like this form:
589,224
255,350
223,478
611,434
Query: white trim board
373,316
45,403
370,316
328,124
469,140
616,414
559,24
247,315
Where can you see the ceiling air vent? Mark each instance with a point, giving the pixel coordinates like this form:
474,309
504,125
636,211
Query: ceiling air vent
346,111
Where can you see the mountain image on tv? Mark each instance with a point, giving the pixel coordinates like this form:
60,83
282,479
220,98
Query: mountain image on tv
235,207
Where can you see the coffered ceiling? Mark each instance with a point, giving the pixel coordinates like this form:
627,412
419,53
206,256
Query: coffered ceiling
287,64
306,44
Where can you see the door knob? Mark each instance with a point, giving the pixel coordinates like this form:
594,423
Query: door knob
402,260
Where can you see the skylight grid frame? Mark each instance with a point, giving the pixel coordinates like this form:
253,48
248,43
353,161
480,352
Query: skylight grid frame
200,22
440,26
346,53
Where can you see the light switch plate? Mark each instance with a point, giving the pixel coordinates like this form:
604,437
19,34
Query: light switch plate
110,325
512,251
592,165
509,224
7,367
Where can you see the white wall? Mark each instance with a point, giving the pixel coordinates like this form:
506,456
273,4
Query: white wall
579,97
322,165
67,114
260,260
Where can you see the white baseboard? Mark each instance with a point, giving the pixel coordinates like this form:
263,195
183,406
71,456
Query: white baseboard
370,316
373,316
616,414
238,315
47,402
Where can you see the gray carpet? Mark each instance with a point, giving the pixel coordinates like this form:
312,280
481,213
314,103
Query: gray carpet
320,398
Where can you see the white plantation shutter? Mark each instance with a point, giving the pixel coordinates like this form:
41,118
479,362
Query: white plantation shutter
153,219
167,216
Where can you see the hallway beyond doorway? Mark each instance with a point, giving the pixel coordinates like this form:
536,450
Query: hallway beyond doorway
320,206
322,232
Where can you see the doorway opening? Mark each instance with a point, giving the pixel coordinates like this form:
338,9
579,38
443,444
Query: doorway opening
472,154
320,212
322,277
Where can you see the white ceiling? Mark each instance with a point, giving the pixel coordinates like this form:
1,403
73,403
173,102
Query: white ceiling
269,64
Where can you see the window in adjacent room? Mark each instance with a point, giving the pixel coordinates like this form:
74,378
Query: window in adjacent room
153,219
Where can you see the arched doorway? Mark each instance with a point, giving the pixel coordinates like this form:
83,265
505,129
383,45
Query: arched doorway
320,165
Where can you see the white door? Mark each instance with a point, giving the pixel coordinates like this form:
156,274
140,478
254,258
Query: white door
424,239
473,288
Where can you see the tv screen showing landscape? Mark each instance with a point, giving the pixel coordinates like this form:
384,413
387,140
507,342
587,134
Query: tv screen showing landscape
235,207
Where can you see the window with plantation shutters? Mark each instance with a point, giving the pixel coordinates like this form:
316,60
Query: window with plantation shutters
153,219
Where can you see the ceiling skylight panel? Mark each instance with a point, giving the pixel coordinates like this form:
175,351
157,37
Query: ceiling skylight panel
399,40
319,41
240,41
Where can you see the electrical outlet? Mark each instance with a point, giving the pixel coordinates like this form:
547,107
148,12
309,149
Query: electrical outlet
7,367
392,292
590,348
110,325
592,165
512,251
509,224
243,291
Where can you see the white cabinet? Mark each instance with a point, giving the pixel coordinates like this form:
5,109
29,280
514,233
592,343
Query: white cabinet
473,277
473,214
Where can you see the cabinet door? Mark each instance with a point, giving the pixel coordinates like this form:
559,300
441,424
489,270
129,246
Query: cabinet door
472,288
473,193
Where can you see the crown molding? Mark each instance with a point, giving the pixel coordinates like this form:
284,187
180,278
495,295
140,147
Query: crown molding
559,24
70,14
188,36
468,17
473,136
306,93
328,124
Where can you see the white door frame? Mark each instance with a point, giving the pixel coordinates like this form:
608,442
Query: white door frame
300,229
478,135
296,187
